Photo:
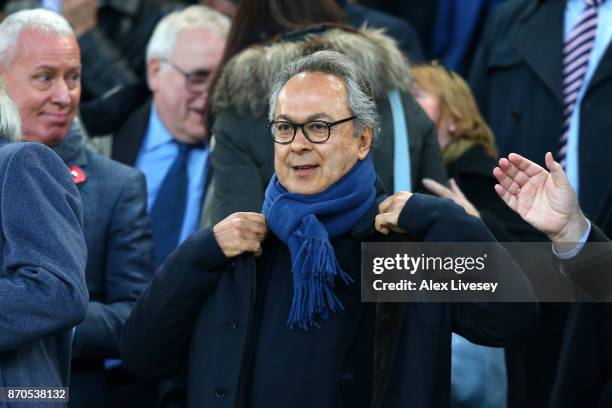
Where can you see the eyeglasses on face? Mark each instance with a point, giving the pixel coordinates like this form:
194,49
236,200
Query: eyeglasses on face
315,131
195,81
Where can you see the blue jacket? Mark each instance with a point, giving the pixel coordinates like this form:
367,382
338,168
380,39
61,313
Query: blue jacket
119,243
42,280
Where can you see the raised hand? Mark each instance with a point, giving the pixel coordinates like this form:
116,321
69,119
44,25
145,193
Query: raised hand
546,200
454,193
241,232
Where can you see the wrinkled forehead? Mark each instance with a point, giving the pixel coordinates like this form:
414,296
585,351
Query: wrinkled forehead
37,47
309,92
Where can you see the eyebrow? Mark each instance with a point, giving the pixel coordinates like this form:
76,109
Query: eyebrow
314,116
55,68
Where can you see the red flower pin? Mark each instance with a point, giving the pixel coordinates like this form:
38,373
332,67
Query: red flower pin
78,175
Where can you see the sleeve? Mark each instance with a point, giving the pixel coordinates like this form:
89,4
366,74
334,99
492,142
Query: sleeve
430,219
104,67
129,268
167,309
42,283
575,251
237,176
589,269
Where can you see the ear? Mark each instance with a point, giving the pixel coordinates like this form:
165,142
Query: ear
452,126
153,74
365,143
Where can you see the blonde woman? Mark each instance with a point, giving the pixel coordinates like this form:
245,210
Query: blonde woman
468,150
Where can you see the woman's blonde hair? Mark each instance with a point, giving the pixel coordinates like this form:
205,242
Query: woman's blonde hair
456,100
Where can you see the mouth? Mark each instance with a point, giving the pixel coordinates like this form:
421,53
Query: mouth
304,170
199,112
58,118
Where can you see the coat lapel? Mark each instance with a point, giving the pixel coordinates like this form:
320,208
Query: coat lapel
127,141
603,71
540,42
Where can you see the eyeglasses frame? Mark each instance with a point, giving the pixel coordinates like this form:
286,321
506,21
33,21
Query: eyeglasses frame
301,126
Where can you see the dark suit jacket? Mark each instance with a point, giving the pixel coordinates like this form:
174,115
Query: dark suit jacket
42,278
120,262
200,311
517,79
584,375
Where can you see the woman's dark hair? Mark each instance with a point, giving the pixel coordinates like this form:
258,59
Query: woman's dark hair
260,21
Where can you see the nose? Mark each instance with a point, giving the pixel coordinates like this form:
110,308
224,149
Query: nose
61,93
199,100
300,143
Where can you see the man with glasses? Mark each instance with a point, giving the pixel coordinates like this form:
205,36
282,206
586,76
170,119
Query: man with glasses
264,310
165,138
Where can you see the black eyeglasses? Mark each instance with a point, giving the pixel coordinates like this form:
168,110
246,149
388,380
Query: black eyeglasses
316,131
195,81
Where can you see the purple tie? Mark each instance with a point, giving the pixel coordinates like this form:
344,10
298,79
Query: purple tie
576,53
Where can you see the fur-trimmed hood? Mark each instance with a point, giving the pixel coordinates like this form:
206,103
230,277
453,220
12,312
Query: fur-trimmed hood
246,79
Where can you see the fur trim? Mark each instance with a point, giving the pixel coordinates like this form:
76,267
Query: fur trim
246,79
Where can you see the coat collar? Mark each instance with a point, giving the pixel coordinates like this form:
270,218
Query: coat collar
72,149
603,71
129,138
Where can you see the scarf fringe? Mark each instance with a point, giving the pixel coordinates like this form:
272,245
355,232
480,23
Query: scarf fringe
314,295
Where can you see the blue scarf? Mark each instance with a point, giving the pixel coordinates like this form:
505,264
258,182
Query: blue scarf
305,223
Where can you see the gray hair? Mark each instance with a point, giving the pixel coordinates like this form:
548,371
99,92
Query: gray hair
162,42
10,122
361,101
34,19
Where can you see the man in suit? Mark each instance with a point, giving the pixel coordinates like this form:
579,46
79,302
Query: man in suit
42,257
542,77
548,202
40,61
260,300
168,131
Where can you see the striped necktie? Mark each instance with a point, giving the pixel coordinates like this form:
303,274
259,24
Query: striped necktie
576,54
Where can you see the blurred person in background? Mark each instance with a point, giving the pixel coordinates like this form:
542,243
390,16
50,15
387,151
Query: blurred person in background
356,15
468,150
166,135
478,373
40,62
266,34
